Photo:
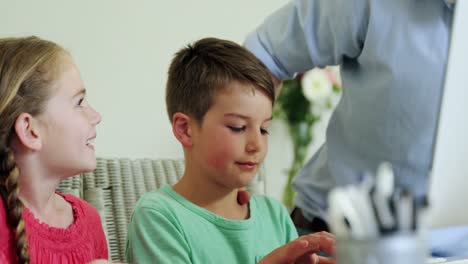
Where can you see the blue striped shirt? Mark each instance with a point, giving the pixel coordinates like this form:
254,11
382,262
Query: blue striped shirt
393,55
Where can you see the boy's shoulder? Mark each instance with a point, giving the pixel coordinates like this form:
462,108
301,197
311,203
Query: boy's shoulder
266,200
268,204
273,217
158,200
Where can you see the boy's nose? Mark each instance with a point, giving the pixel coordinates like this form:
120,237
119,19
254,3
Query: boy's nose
253,143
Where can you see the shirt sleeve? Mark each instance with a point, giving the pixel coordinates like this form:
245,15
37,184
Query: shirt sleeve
289,227
308,33
282,226
4,246
5,235
153,238
95,228
102,249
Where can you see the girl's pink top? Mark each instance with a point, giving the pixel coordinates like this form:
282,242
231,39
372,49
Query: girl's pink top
81,242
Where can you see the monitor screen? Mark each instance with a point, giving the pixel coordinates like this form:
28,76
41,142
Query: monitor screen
448,194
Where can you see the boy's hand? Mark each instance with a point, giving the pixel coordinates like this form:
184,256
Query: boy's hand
303,250
243,197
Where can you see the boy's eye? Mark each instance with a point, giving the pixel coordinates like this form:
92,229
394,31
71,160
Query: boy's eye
80,102
236,129
264,131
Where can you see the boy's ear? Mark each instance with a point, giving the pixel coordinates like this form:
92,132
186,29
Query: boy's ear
27,131
182,129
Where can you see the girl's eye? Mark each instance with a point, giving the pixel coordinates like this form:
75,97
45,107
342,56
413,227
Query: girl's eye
80,102
264,131
236,129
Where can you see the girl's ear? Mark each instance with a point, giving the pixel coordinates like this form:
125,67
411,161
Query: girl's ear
27,131
181,129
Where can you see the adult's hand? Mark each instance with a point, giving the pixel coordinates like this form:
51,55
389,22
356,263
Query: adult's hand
304,250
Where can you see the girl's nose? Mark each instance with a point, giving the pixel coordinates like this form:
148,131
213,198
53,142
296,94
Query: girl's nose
95,116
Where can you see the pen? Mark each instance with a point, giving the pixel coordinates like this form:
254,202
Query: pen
384,187
405,210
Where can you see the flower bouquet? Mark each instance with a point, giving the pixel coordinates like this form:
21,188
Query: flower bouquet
301,103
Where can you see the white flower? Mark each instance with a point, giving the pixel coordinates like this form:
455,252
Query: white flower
316,85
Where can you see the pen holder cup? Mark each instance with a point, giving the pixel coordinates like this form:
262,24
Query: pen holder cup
397,248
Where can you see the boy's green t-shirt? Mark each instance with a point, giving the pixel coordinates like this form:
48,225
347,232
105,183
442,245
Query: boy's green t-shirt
167,228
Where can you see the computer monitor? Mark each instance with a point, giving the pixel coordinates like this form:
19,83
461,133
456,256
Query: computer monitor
448,194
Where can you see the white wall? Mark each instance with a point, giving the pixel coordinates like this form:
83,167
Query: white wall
123,49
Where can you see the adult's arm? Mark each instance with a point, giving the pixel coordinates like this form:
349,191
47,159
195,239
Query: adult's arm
308,33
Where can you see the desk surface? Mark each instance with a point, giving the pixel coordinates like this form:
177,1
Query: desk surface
459,261
447,261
